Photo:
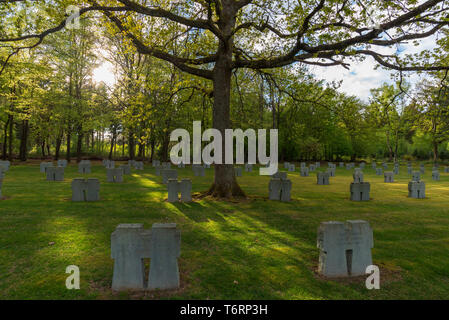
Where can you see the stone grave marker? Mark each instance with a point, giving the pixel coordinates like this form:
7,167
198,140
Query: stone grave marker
45,165
360,191
280,189
55,173
130,244
436,175
238,171
198,170
304,172
388,177
84,167
156,163
331,172
138,165
114,175
345,248
62,163
85,189
322,178
158,170
168,174
379,171
166,165
164,253
248,167
416,176
358,175
6,164
274,189
126,168
280,175
417,189
184,187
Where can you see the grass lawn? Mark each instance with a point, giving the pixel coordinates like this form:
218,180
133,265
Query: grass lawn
256,249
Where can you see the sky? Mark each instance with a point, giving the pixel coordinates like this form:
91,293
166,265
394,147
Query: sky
361,77
358,80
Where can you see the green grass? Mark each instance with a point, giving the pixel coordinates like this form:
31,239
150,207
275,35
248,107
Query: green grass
256,249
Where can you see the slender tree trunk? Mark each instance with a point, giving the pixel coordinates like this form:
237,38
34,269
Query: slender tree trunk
58,145
164,149
48,147
11,125
43,149
435,151
390,150
114,134
93,141
79,146
153,142
141,150
131,146
396,147
69,142
24,141
5,140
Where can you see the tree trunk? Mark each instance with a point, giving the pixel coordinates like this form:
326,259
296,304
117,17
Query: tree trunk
114,133
11,125
152,143
390,150
69,141
58,145
435,151
131,146
24,141
225,184
48,147
5,140
79,146
396,147
43,149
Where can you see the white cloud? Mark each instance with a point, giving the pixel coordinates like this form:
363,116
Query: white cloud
362,76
